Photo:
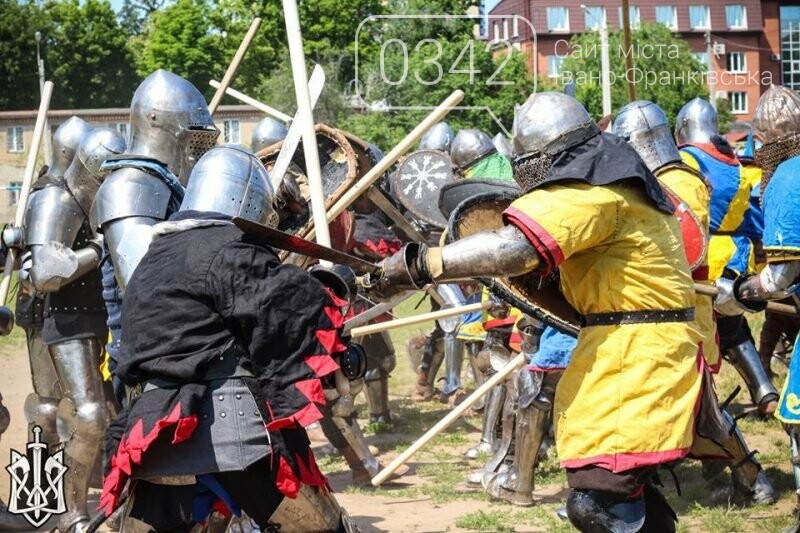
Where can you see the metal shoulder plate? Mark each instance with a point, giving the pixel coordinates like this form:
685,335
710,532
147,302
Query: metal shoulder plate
52,214
537,296
129,192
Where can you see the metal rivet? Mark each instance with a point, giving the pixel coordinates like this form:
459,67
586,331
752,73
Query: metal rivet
241,413
221,357
220,397
222,414
238,396
205,417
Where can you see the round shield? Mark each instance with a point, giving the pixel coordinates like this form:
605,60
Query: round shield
537,296
417,183
454,193
695,240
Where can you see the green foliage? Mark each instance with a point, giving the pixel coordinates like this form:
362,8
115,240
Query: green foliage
18,70
724,115
659,56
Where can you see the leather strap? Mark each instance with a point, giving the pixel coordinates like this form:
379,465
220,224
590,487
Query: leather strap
638,317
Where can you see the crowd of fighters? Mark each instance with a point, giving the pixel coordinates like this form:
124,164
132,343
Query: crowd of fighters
183,357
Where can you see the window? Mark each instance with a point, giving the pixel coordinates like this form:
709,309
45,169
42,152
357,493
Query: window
699,18
231,128
668,16
738,101
554,66
790,46
633,15
737,62
516,26
14,140
702,57
594,17
557,19
736,17
13,192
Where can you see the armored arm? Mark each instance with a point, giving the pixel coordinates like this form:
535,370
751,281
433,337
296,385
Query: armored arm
55,265
497,253
776,282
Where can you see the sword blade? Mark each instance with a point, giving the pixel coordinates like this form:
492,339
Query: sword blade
298,245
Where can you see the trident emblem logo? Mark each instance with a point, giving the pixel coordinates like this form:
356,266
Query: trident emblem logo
37,482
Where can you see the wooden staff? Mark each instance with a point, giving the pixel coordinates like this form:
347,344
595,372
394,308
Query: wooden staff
451,417
389,159
25,189
271,111
306,115
234,66
775,307
418,319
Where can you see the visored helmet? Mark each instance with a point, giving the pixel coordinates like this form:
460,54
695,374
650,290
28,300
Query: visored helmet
696,123
170,123
645,126
231,181
66,141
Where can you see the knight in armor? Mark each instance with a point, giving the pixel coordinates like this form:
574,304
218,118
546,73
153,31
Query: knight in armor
226,352
593,210
266,133
439,137
730,249
62,264
645,126
170,128
475,155
777,120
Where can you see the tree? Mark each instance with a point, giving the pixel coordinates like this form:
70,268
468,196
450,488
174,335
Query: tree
18,70
87,55
665,70
133,14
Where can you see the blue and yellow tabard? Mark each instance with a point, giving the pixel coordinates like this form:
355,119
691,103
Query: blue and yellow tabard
628,397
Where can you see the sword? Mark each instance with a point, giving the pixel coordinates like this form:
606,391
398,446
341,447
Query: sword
296,244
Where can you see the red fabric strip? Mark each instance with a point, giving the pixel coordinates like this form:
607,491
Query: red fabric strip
544,243
714,152
620,462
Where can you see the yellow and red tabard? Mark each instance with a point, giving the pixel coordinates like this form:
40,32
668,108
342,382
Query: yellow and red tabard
628,397
691,189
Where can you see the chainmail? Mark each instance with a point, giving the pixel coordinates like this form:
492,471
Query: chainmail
770,155
531,170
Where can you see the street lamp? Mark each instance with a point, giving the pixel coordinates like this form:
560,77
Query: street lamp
48,147
605,73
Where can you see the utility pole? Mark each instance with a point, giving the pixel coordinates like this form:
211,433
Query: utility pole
711,86
605,63
626,37
48,145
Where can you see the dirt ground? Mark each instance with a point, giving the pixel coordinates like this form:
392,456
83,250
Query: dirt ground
433,496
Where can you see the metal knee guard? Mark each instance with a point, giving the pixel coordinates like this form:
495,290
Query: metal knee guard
81,420
314,509
745,359
42,412
593,511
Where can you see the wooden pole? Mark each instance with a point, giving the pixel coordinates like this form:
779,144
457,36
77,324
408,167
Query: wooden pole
389,159
418,319
306,115
27,181
271,111
234,66
451,417
626,36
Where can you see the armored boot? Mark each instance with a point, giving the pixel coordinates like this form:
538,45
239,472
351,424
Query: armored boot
378,399
314,509
749,483
745,359
516,484
491,419
452,391
81,420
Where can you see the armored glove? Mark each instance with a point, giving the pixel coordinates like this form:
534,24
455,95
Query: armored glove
26,263
412,267
728,301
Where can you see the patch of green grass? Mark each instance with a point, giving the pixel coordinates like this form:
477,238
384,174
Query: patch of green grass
486,521
718,519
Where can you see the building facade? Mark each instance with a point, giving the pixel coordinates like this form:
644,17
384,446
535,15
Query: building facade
751,42
235,122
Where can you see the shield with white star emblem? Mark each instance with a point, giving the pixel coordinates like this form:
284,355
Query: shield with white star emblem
418,181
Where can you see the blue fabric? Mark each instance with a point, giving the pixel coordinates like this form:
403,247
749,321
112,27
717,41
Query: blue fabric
475,316
555,350
753,223
740,261
112,297
208,492
782,207
724,180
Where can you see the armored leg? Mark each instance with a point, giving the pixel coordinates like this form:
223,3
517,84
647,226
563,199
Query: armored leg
314,509
41,405
491,420
506,448
380,363
594,511
452,390
431,360
81,421
473,351
745,359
